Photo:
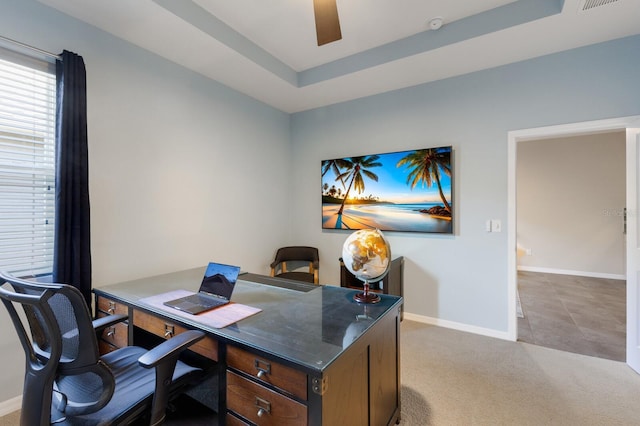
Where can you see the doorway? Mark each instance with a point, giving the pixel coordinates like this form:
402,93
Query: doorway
630,125
570,242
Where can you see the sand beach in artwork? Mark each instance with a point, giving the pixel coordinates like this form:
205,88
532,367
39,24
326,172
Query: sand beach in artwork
389,217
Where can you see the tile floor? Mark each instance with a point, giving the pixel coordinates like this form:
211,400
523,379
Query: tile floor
575,314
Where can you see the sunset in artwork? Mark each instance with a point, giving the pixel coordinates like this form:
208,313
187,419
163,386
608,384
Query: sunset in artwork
407,191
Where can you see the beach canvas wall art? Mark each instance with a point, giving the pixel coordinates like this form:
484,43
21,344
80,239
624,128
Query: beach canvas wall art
407,191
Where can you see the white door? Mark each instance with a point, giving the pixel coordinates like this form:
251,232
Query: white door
633,248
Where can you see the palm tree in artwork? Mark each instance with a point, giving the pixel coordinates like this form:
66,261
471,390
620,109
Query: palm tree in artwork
426,166
356,168
336,166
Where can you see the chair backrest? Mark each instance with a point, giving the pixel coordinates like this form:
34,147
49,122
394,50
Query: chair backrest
60,344
296,254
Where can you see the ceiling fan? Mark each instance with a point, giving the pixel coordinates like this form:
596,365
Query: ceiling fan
327,23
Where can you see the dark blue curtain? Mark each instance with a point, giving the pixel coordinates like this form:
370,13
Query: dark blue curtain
72,253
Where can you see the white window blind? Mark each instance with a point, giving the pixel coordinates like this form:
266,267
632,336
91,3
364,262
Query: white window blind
27,166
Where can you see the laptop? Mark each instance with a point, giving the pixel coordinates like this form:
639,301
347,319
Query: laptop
216,289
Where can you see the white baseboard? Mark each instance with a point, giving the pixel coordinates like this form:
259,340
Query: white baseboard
10,405
458,326
570,272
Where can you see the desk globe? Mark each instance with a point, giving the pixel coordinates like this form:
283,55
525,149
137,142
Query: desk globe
366,254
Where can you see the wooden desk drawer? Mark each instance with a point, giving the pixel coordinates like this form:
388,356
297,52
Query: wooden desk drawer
262,406
111,307
234,421
267,371
105,347
116,335
166,329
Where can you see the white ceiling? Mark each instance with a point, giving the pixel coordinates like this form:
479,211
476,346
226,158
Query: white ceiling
267,48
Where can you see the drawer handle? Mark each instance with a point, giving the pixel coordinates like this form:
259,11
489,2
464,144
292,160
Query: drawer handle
168,331
112,308
264,406
263,367
111,331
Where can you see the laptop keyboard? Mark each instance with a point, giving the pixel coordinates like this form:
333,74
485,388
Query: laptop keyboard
204,301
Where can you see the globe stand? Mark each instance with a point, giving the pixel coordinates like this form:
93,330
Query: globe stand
366,296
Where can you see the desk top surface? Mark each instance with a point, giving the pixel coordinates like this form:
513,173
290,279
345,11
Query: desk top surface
305,324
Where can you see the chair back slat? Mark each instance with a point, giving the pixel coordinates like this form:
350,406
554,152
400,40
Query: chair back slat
288,255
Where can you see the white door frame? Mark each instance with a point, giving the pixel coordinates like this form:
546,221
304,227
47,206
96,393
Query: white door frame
514,137
633,248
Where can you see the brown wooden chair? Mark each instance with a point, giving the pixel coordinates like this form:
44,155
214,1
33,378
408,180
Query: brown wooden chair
301,255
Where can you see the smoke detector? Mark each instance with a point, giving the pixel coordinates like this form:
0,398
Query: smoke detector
436,23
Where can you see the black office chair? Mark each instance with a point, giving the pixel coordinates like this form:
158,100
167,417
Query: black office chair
296,254
66,380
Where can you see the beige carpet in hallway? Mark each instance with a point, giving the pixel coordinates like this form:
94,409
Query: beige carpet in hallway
452,378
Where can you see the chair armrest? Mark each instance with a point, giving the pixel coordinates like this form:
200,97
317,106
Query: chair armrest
100,324
164,358
170,348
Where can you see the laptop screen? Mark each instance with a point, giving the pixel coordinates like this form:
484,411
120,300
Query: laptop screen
220,279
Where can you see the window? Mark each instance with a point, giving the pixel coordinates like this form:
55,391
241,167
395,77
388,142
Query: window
27,164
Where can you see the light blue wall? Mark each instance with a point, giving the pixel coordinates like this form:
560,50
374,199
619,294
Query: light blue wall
461,279
168,146
183,170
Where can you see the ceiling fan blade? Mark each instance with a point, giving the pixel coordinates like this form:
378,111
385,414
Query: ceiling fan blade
327,23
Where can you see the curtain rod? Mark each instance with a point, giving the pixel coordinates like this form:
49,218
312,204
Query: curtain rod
26,46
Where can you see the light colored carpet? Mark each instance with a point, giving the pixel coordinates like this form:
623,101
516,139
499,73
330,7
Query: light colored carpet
456,378
452,378
12,419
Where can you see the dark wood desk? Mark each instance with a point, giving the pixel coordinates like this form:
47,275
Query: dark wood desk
312,356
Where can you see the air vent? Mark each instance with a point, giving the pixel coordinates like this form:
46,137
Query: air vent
586,5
